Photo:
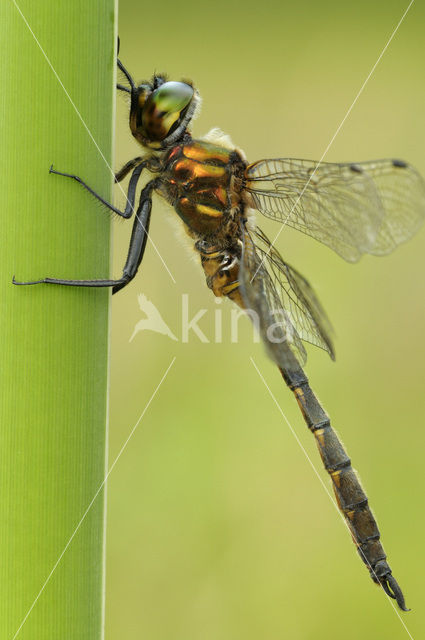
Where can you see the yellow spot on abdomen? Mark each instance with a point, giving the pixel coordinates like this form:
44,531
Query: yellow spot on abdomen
335,475
318,434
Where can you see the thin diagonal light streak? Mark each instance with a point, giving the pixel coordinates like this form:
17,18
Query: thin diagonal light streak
324,485
89,133
341,124
92,501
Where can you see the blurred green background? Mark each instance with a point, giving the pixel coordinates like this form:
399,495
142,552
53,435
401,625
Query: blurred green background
218,529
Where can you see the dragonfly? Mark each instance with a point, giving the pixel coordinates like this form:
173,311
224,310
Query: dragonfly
353,208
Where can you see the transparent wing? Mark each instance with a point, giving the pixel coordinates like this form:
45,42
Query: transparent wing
353,208
285,307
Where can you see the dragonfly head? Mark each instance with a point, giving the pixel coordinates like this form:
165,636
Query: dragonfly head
161,111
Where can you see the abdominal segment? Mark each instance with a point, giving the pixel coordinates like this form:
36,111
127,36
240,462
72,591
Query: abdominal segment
221,269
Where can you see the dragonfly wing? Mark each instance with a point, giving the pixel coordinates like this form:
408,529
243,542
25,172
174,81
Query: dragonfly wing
283,303
354,208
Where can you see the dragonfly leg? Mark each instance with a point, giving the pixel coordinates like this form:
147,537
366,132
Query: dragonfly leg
125,72
131,164
137,164
136,249
139,236
130,80
351,499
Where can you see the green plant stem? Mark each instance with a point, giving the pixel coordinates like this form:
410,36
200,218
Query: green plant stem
53,339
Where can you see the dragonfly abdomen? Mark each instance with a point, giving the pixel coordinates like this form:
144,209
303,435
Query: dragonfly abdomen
221,267
349,493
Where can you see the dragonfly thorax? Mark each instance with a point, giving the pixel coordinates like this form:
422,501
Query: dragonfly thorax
204,183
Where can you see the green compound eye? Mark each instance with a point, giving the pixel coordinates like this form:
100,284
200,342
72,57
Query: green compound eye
172,96
164,107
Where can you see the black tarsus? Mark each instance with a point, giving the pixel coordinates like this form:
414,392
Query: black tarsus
136,249
140,230
138,164
122,68
121,87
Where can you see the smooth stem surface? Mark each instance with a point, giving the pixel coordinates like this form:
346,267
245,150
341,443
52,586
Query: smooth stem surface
53,340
